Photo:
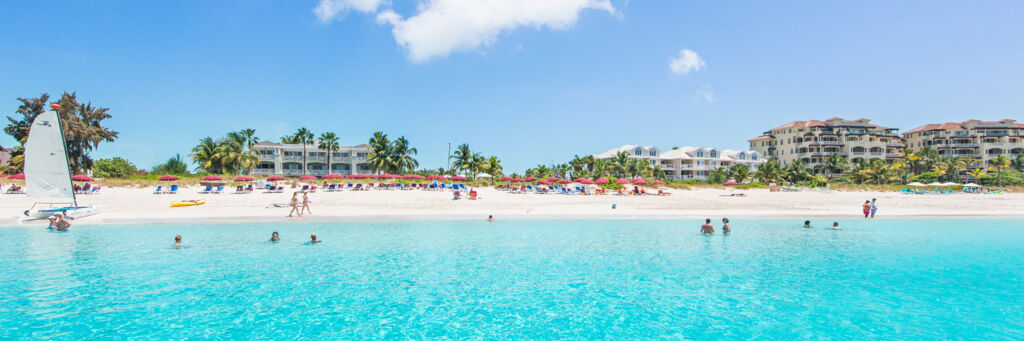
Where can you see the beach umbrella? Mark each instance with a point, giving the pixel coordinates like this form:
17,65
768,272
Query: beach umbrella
622,181
544,182
967,185
506,178
564,181
243,178
458,178
552,179
212,177
414,176
19,176
531,179
580,180
639,181
352,176
308,177
730,183
484,175
601,181
951,184
167,178
936,184
275,178
658,183
441,178
333,176
916,184
517,180
3,175
586,181
81,177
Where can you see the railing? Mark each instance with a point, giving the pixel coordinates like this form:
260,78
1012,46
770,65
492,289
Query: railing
267,157
962,145
292,172
263,171
292,158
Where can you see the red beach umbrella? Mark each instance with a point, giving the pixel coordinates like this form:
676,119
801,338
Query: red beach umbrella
517,180
622,181
413,176
580,180
658,183
3,175
586,182
19,176
601,181
333,176
730,183
552,179
243,178
308,177
458,178
639,181
531,178
81,177
544,182
506,178
564,181
212,177
353,176
275,178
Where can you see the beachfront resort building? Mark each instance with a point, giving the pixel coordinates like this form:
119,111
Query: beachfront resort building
813,141
979,140
286,159
687,163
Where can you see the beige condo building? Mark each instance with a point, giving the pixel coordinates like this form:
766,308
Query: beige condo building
813,141
688,163
978,140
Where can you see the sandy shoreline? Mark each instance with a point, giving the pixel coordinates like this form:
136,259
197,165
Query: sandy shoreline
139,205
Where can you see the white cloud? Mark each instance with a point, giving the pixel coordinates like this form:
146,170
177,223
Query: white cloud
707,94
326,10
687,61
443,26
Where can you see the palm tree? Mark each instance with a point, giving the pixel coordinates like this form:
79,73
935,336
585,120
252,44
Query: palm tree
977,173
717,175
620,164
494,166
233,155
477,162
836,164
797,172
999,163
462,158
331,143
380,152
303,136
205,155
769,171
250,138
401,156
739,173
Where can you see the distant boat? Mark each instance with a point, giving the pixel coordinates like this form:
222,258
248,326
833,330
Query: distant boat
47,173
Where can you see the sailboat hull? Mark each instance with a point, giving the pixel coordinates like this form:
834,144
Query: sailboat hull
71,212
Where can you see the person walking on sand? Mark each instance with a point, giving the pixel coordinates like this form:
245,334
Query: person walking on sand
874,206
867,208
707,228
295,205
305,204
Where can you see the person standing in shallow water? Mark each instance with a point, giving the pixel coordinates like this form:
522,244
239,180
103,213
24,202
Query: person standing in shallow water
313,239
707,228
725,226
177,241
807,224
274,237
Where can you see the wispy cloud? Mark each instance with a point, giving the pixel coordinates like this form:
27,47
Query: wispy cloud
327,10
707,94
443,26
687,61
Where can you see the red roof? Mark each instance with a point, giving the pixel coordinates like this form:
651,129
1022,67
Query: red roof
802,124
759,138
960,126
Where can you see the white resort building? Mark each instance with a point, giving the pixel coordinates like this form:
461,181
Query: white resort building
688,163
286,160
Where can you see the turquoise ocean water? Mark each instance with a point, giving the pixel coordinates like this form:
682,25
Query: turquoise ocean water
518,279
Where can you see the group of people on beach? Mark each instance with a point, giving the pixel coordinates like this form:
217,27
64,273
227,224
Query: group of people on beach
298,207
870,207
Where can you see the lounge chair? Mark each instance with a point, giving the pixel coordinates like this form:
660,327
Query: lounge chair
312,189
174,190
219,190
159,190
456,195
94,190
473,195
207,190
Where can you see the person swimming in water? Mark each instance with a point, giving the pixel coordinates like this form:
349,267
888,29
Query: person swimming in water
725,226
807,224
707,228
312,239
835,226
274,237
490,218
177,241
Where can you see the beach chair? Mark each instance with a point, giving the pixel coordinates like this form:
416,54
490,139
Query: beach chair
219,190
207,190
94,190
312,189
159,190
174,190
473,195
456,195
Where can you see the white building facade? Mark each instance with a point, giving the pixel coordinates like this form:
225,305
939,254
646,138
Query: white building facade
688,163
286,160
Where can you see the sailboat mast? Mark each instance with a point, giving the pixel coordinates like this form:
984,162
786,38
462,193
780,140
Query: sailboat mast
67,159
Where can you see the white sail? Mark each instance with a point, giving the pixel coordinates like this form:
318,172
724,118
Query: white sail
46,164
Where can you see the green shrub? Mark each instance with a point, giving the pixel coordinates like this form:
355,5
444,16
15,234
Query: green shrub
113,168
756,184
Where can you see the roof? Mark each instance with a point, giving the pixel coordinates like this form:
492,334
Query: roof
625,148
936,126
267,143
962,125
762,137
802,124
817,123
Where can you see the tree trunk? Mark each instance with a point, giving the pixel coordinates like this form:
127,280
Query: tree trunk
304,158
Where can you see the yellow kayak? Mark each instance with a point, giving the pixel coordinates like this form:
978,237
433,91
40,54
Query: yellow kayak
188,203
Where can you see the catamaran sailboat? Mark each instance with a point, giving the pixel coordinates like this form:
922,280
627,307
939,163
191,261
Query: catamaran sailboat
47,173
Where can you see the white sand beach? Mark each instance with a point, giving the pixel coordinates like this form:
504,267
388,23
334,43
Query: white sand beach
131,205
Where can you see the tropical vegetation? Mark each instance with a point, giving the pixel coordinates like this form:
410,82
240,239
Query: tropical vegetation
82,125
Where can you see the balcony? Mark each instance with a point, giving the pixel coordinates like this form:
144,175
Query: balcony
292,172
263,171
264,157
293,158
961,145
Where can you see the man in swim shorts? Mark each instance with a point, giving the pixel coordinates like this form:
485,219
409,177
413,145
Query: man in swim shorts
874,206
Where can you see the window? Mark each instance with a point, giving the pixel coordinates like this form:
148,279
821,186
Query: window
654,152
266,152
287,153
700,153
743,156
714,153
292,166
360,154
638,152
753,157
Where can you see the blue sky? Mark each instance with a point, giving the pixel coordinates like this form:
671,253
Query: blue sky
530,82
